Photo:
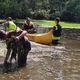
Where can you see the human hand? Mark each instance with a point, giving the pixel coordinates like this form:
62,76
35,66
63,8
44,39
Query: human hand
7,33
17,38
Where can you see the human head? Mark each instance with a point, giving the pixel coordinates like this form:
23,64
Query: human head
28,19
9,19
57,20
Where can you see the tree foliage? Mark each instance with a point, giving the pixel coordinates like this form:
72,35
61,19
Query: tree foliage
68,10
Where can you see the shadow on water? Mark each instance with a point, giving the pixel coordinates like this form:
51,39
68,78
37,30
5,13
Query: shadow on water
1,68
8,68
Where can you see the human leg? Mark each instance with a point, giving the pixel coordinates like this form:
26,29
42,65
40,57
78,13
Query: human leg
8,43
55,42
27,48
22,55
7,55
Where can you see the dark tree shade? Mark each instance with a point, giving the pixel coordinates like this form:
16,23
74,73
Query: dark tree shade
68,10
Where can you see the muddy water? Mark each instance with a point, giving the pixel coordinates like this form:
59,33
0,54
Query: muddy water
60,62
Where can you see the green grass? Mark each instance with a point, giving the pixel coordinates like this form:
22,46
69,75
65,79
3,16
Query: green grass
48,23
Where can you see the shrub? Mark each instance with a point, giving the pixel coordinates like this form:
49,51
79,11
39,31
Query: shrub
41,14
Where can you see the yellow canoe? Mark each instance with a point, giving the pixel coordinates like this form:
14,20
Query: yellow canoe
45,38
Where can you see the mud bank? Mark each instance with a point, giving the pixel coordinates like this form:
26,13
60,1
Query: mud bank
72,34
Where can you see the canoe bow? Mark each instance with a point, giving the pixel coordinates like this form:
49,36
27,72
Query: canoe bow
45,38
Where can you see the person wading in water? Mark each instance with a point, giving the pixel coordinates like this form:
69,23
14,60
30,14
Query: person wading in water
28,26
57,30
12,30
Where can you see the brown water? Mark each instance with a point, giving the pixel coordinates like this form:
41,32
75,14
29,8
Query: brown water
60,62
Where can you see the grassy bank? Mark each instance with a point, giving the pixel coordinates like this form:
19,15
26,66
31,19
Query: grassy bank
49,23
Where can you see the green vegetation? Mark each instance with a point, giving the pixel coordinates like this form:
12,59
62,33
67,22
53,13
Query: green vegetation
50,23
68,10
47,23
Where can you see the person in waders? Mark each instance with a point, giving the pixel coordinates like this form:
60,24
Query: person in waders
24,46
57,30
9,26
12,30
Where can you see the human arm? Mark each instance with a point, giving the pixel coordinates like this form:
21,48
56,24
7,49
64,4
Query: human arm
32,29
7,28
62,32
54,28
22,34
4,25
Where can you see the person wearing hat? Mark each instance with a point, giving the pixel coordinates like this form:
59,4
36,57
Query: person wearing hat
10,29
9,25
57,30
28,26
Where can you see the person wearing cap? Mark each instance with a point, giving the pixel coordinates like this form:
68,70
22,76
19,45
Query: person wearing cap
28,26
57,30
10,29
9,26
